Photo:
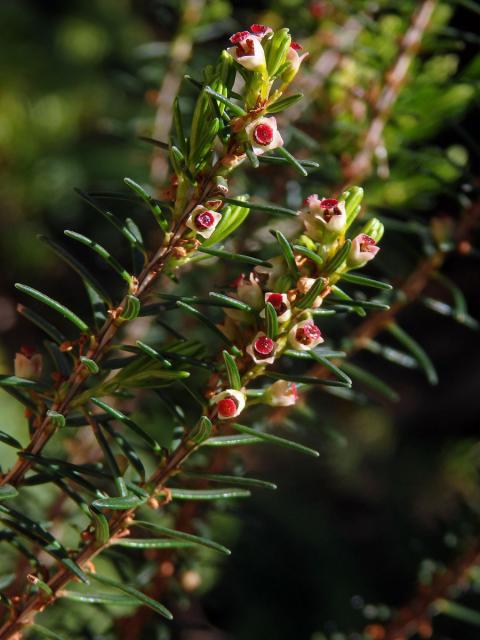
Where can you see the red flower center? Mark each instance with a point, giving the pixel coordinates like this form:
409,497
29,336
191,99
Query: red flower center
28,352
263,134
239,36
227,407
204,220
276,300
308,333
295,46
329,203
264,345
366,242
259,29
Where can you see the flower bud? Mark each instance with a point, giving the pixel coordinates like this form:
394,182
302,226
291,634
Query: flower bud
281,394
28,363
263,135
262,349
294,60
305,336
272,273
230,403
248,51
363,249
280,303
374,228
203,221
248,291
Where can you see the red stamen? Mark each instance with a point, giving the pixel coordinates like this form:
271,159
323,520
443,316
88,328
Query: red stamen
276,300
239,36
227,407
263,134
366,242
204,220
28,352
264,345
295,46
245,47
308,333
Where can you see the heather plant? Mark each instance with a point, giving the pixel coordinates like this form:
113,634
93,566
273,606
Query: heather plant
227,363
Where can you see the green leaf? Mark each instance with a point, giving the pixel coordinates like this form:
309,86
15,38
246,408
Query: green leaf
287,252
15,381
102,252
235,109
238,480
308,253
202,430
339,258
53,304
150,351
450,312
150,201
102,529
46,633
270,208
282,161
282,442
152,543
366,282
183,536
232,441
207,322
286,155
77,266
99,309
89,364
331,367
177,121
131,308
271,321
371,381
97,598
284,103
235,257
7,492
232,303
138,595
123,229
118,415
309,298
128,450
6,438
416,350
120,503
156,143
305,379
234,380
56,418
457,611
340,294
56,335
209,494
110,459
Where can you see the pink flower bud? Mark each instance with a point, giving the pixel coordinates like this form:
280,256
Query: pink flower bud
262,349
28,363
230,403
281,394
248,50
305,336
203,221
280,303
294,58
363,249
248,291
271,274
263,135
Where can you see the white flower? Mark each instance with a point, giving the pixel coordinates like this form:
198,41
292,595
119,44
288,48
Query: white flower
294,58
203,221
280,303
230,403
304,285
264,135
277,269
262,349
305,336
281,394
329,211
363,249
28,364
248,50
